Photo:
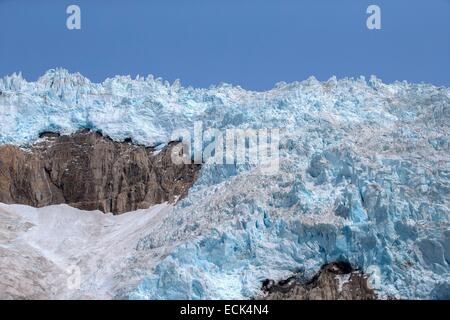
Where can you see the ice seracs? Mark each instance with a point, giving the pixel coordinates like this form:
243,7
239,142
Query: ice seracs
364,178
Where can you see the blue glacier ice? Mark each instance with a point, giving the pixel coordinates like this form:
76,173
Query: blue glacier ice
364,176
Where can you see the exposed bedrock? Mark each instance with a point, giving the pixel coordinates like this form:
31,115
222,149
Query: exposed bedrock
335,281
91,172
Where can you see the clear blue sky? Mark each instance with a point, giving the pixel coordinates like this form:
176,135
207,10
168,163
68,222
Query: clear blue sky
252,43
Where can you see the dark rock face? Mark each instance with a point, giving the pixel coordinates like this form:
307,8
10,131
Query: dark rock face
91,172
335,281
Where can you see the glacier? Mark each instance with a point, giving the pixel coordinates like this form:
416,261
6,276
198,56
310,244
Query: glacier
364,177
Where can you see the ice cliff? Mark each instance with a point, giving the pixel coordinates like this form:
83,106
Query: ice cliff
364,177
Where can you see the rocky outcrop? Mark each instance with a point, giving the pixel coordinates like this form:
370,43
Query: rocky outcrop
91,172
335,281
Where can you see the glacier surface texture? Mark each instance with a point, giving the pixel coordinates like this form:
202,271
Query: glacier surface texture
364,176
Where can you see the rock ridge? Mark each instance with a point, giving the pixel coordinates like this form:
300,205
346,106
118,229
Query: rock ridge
89,171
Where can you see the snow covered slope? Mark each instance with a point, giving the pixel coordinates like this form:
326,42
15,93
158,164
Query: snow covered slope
364,176
43,250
